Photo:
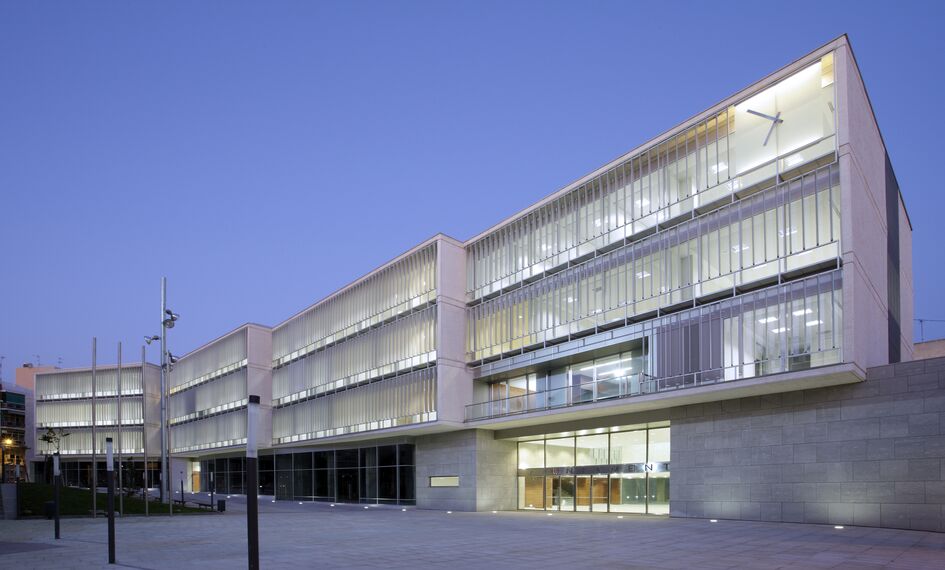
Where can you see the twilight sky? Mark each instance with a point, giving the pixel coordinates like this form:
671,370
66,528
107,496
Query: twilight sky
261,155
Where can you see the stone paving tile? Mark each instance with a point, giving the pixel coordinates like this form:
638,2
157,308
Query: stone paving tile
316,535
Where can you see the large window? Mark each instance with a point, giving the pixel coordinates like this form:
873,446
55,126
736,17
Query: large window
394,290
787,230
606,471
380,475
773,134
794,326
402,400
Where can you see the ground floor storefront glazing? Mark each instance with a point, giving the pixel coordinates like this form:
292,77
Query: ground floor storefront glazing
383,474
601,470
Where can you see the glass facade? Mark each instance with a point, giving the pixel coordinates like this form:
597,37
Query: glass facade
207,363
78,413
79,473
208,396
711,256
607,470
377,475
75,384
396,347
396,289
713,160
794,326
754,242
401,400
64,400
362,359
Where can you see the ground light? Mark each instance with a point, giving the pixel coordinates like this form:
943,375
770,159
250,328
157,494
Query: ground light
838,527
713,520
619,516
449,512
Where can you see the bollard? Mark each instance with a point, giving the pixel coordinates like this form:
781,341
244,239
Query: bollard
252,487
110,467
57,481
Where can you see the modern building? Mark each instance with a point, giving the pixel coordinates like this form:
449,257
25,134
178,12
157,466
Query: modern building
84,406
16,407
26,374
712,325
208,394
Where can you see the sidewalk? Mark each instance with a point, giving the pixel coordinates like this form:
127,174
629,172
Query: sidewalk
349,536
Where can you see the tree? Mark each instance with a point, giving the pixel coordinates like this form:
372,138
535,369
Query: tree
53,437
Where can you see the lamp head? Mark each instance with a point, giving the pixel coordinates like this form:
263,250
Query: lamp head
170,319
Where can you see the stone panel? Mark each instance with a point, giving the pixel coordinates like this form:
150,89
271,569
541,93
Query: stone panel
870,454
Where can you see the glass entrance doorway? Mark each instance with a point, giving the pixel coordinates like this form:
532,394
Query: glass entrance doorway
609,471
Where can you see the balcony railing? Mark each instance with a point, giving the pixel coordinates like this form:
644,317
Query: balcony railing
638,385
602,389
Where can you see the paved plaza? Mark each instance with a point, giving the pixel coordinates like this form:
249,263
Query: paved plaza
350,536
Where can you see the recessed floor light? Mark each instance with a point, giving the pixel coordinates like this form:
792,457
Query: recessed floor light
449,512
403,510
549,514
494,512
619,516
713,520
332,505
300,502
839,527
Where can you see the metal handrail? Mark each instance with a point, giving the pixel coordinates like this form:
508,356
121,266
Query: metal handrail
623,387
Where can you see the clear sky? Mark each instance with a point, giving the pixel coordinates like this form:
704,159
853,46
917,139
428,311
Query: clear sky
261,155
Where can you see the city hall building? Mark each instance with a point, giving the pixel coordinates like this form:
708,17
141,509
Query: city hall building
708,326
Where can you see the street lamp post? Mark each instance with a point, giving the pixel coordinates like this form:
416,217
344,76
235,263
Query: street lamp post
168,318
165,485
94,440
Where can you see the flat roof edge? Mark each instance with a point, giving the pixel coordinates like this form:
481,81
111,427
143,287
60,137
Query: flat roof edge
439,236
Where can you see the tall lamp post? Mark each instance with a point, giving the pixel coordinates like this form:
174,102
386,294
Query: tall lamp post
144,433
168,319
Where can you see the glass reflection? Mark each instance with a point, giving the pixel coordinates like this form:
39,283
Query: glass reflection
625,472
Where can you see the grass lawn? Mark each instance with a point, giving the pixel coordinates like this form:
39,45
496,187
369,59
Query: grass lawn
32,497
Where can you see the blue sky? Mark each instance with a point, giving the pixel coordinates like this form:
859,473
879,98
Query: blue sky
261,155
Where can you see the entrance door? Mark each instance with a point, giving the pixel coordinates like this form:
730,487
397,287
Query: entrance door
562,492
599,494
582,495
